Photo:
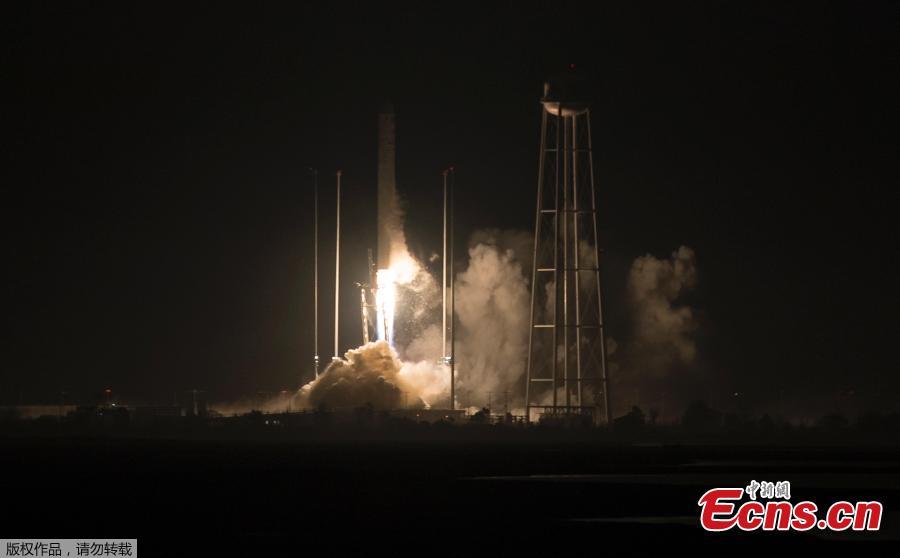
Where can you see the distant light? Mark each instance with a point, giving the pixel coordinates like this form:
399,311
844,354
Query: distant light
571,66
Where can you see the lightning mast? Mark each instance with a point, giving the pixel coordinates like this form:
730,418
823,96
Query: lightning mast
315,272
337,266
452,297
444,279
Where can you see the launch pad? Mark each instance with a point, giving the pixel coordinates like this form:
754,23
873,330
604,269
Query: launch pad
565,366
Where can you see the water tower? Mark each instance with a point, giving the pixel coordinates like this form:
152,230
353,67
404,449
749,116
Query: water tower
567,370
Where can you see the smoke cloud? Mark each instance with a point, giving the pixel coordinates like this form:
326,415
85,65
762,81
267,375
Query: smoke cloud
491,321
492,302
373,375
653,367
656,364
663,330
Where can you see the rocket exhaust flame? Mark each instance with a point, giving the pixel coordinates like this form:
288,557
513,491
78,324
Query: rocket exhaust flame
403,270
385,304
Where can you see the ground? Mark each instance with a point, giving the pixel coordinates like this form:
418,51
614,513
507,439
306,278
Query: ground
202,496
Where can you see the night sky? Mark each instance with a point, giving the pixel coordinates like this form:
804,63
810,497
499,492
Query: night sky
157,209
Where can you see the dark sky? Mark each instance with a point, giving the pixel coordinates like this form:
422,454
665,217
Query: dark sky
157,211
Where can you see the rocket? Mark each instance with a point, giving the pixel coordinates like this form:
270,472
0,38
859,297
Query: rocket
377,298
388,209
380,285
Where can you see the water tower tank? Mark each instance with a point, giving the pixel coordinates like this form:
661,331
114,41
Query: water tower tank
565,92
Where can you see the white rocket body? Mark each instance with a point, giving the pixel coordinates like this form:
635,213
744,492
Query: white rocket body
388,207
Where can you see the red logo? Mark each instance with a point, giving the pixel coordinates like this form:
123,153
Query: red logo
721,509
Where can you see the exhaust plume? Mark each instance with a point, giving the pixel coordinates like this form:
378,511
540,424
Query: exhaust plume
656,366
373,375
492,304
663,330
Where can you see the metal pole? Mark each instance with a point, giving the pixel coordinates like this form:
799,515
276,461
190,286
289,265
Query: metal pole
337,265
452,299
444,280
316,272
534,262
